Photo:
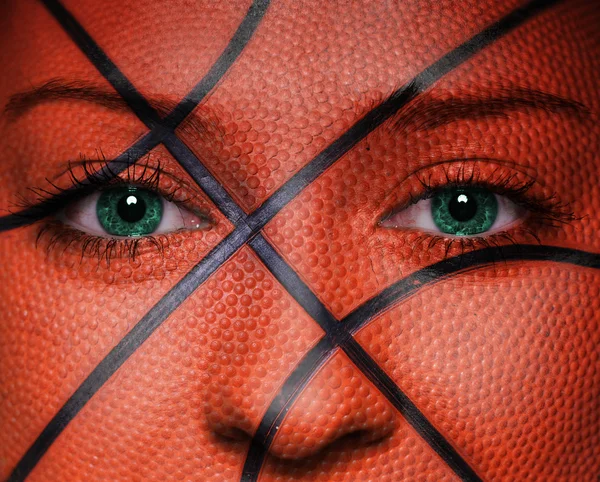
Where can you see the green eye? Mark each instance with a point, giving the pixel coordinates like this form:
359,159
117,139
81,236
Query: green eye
464,211
129,211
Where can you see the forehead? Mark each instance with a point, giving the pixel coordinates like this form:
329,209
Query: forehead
167,46
306,74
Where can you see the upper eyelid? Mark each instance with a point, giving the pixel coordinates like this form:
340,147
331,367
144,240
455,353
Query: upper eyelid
154,168
156,173
549,209
462,162
50,199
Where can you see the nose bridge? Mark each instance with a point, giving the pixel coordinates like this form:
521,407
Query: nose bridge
250,333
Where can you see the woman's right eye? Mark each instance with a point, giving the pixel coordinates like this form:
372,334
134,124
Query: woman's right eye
129,211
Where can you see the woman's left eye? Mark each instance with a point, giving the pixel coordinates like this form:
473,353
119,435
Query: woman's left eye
129,211
459,211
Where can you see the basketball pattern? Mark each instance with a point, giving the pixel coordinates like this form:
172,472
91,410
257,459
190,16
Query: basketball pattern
294,338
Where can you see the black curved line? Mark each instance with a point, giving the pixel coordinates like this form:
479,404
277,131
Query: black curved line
30,215
233,50
148,115
370,121
126,89
105,66
307,368
473,260
290,280
122,351
336,335
402,290
367,124
204,178
393,104
259,218
393,295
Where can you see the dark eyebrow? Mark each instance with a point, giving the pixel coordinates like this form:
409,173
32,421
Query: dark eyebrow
200,121
430,110
436,108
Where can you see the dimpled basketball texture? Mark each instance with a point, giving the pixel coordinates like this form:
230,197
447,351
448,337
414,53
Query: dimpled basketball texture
503,361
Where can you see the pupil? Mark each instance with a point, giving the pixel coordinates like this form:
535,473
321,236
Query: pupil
462,207
131,208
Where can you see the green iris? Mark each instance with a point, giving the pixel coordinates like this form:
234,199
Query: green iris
129,211
464,211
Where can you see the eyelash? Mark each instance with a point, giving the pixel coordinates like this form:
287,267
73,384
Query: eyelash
50,200
547,211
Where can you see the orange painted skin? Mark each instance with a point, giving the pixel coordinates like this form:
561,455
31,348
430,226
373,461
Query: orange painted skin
502,359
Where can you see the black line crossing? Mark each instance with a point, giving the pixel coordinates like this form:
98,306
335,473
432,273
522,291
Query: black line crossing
247,228
339,335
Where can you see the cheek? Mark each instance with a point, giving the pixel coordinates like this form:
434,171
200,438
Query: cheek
509,383
63,313
189,399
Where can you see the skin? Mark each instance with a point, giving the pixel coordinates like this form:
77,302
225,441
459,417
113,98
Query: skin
500,358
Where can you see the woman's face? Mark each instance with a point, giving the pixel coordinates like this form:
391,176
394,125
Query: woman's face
311,241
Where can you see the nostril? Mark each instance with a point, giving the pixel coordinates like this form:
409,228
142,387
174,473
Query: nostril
233,433
303,447
297,445
361,438
364,437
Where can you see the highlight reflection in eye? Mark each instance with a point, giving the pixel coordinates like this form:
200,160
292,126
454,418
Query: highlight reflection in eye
129,211
459,211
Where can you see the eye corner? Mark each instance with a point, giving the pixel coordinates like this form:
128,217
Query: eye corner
196,218
386,215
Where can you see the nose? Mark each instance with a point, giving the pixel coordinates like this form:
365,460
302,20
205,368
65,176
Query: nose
338,403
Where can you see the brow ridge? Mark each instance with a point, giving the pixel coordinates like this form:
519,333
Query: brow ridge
201,122
431,110
436,108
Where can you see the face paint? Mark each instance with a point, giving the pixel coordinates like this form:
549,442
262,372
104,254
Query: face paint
268,249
